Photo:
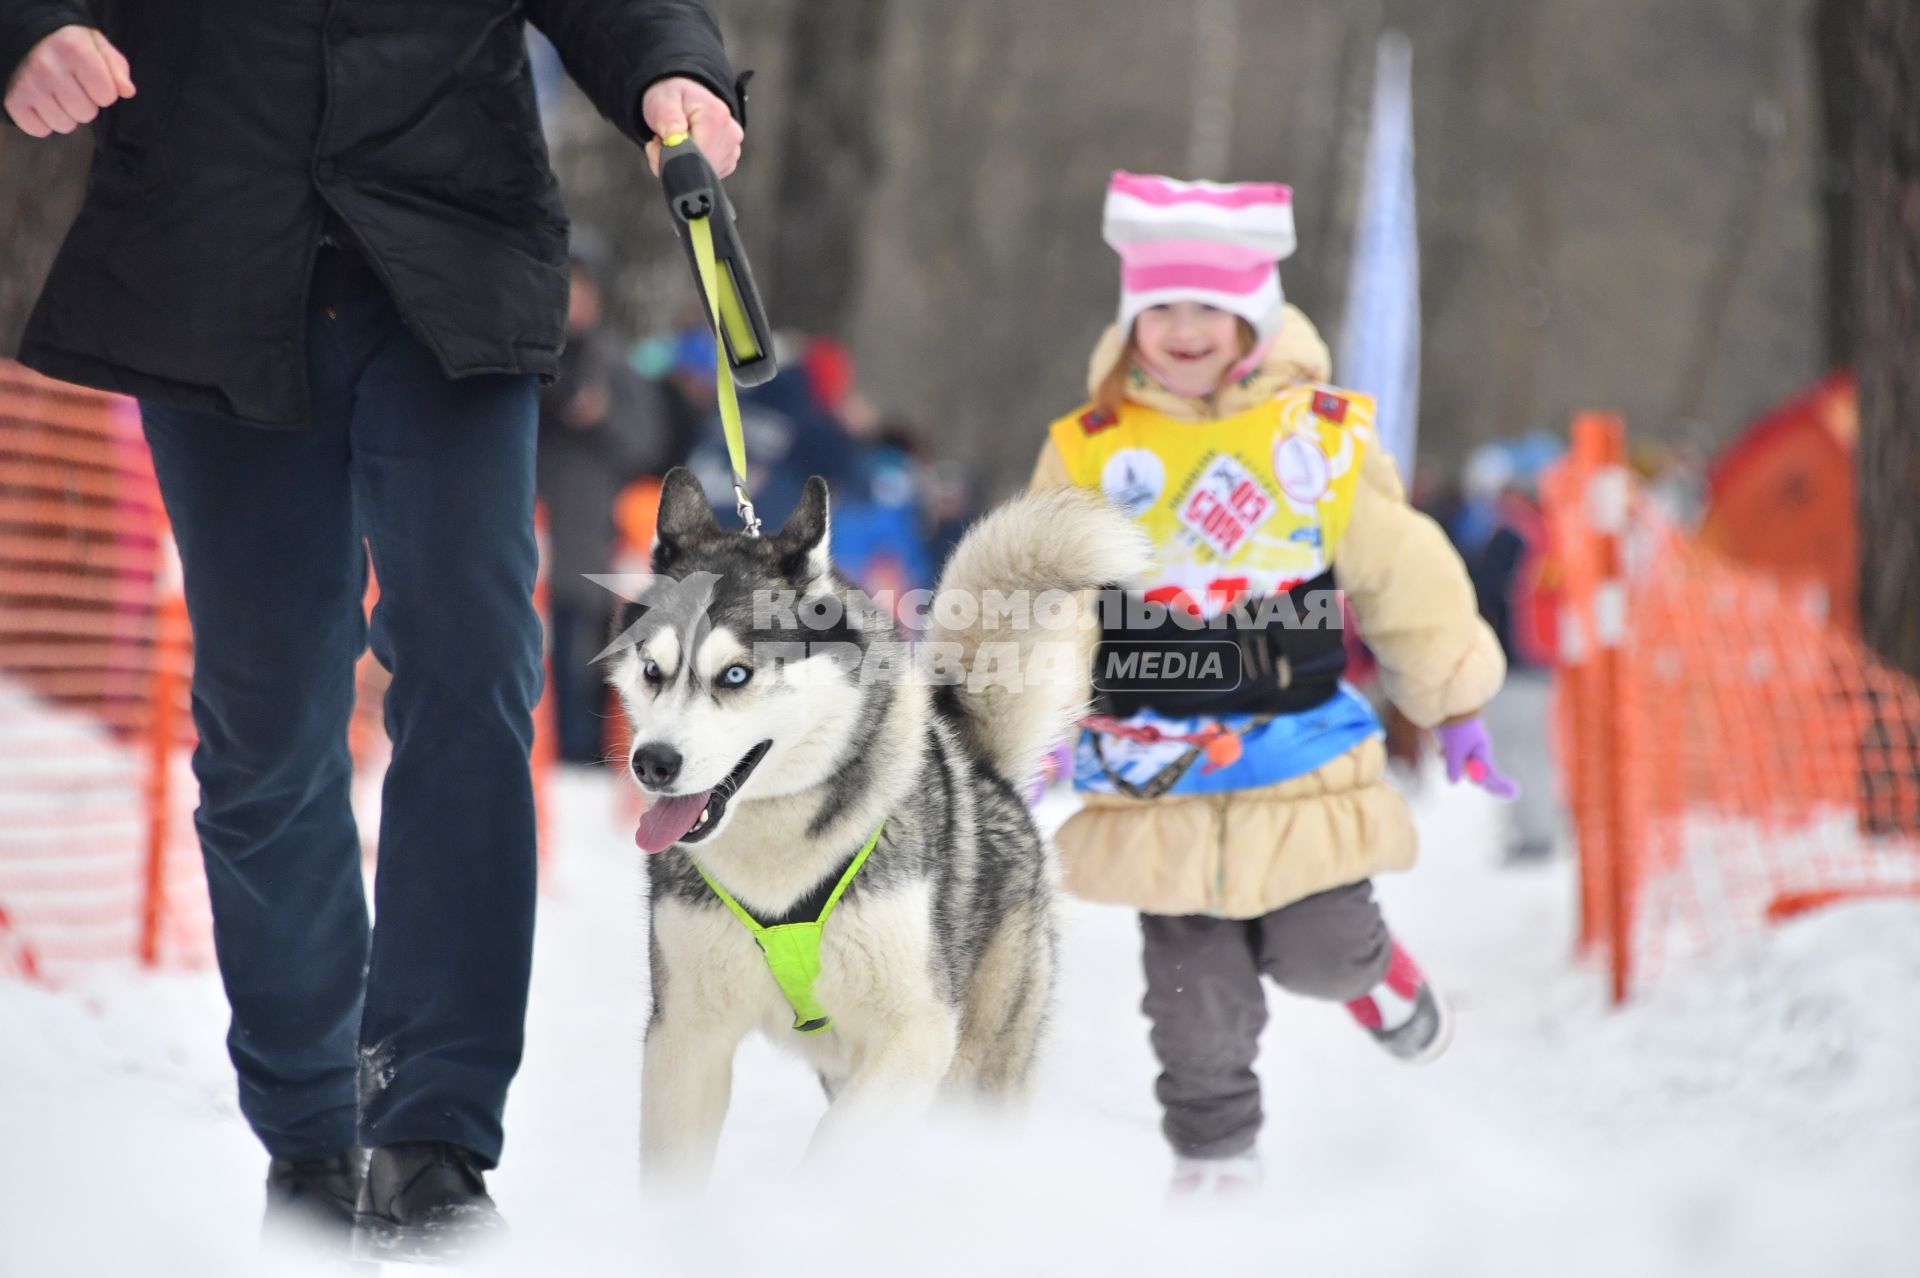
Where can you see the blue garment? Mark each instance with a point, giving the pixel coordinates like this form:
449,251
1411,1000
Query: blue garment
1473,522
411,1031
879,518
1288,746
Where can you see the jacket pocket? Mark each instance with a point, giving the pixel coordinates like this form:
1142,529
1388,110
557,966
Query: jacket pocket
130,137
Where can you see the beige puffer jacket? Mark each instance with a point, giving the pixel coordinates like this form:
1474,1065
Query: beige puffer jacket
1249,852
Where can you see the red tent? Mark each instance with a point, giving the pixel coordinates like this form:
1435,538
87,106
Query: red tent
1781,496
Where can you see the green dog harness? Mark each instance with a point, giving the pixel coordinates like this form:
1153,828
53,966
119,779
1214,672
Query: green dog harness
793,949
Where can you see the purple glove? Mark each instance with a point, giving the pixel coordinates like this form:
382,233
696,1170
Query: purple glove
1057,764
1469,752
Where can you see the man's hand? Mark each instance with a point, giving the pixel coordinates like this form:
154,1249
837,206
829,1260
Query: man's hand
65,80
679,105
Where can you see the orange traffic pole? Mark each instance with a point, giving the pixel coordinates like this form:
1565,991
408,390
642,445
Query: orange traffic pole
1560,485
171,653
1601,439
545,746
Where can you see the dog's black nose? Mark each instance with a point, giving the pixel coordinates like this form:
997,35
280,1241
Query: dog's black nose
656,766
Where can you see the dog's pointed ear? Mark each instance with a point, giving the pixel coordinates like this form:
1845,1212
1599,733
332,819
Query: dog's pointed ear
803,539
684,513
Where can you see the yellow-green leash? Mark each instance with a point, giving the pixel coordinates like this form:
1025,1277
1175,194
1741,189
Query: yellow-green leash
701,234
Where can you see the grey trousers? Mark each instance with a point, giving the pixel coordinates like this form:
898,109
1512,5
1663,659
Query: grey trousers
1208,1007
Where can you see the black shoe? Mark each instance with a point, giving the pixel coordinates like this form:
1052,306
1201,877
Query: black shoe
313,1199
424,1200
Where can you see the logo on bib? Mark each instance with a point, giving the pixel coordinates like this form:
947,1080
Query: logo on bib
1226,505
1133,480
1302,469
1330,407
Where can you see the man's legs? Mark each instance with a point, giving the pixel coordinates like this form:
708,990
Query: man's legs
443,476
275,574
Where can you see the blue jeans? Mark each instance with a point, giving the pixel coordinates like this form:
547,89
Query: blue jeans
412,1029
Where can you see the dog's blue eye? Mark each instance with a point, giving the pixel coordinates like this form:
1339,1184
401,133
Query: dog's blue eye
651,670
735,676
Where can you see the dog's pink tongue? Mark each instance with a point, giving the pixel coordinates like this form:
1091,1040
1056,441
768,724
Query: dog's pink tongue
669,819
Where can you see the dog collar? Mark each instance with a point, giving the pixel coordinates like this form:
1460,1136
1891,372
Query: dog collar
792,950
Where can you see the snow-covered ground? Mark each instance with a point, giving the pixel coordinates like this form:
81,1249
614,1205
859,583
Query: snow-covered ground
1755,1113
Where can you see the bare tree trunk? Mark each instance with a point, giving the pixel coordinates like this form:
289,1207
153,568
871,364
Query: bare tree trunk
1833,36
1886,175
830,154
41,181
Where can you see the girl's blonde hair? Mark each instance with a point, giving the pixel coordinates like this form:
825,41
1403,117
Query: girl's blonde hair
1111,391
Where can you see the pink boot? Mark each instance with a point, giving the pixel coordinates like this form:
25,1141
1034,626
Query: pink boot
1404,1013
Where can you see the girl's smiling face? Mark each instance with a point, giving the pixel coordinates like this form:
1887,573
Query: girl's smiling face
1191,344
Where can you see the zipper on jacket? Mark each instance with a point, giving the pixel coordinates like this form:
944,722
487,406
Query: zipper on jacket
303,359
424,333
1217,906
321,171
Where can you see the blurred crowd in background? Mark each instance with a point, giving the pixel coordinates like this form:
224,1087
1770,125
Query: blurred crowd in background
1491,510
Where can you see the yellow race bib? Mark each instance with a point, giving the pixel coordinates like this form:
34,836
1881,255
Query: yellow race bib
1246,506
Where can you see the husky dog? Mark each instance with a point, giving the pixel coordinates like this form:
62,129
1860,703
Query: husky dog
775,729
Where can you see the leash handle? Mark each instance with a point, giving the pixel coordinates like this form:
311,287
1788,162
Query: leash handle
739,318
689,181
743,344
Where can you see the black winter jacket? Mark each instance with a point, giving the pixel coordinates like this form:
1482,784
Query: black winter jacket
184,278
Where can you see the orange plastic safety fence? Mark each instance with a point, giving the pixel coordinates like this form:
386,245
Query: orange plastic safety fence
1730,757
93,700
98,859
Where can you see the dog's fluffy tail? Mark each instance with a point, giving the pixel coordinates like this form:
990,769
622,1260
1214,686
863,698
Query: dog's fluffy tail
1015,605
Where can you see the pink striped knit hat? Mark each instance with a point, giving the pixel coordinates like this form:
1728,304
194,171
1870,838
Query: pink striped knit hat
1219,243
